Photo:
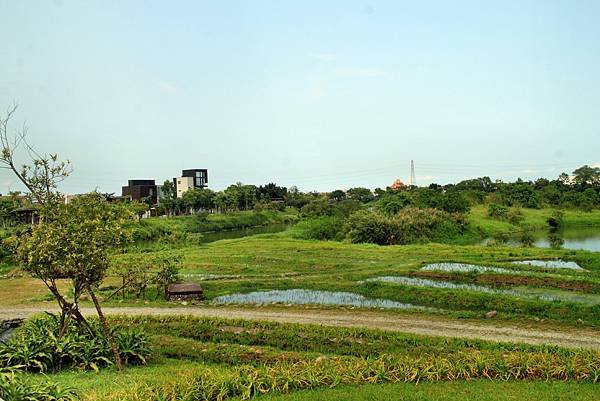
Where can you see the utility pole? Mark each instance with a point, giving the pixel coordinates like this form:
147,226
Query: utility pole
413,181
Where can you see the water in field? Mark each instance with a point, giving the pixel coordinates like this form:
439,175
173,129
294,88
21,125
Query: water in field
522,292
243,232
423,282
311,297
582,238
463,268
551,264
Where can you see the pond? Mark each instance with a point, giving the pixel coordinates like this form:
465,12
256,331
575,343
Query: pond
311,297
580,238
583,238
544,294
243,232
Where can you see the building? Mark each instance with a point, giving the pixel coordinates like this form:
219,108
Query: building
192,178
140,190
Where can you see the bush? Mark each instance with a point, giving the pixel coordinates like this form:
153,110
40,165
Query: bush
37,347
320,228
515,216
410,225
556,219
498,212
13,388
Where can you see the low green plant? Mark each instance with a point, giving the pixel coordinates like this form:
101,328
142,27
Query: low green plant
13,387
38,346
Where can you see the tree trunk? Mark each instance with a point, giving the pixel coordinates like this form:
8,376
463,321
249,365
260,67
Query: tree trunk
106,329
67,307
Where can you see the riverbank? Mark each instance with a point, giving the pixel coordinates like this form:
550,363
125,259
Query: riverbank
535,219
155,228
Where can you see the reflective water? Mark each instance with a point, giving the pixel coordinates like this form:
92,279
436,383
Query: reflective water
583,238
551,264
463,268
305,297
522,292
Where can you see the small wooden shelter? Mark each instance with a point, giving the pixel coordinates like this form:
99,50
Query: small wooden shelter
184,291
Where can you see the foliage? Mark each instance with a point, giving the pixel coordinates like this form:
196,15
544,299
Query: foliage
498,212
14,388
324,228
37,346
141,271
410,225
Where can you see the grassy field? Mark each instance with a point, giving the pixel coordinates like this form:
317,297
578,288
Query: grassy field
277,262
476,390
197,359
535,218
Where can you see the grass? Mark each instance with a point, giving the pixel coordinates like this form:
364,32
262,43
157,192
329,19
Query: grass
475,390
276,261
156,227
216,359
534,218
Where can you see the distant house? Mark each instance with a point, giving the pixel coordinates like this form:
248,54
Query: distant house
192,178
140,190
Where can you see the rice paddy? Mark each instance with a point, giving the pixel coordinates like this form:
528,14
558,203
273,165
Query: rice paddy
551,264
310,297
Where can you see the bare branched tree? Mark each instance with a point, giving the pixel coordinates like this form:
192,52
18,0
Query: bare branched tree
44,171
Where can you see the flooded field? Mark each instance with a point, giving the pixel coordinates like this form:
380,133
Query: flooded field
310,297
463,268
520,291
551,264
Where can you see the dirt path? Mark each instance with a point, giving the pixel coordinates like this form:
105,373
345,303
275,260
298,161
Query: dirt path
418,324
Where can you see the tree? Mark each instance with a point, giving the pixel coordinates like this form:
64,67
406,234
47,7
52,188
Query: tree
363,195
45,171
271,191
198,199
337,195
8,204
167,197
587,176
72,240
73,243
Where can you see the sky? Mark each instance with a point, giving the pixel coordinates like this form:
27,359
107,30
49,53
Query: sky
321,95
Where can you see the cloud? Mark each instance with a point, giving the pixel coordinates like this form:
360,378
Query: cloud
367,72
324,56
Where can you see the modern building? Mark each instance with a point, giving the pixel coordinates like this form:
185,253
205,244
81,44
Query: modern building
140,190
192,178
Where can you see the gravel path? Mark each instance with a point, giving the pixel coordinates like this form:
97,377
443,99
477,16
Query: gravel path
419,324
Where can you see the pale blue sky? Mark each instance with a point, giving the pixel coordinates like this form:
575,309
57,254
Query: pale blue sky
322,95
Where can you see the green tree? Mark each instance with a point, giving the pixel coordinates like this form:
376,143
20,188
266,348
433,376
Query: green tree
167,197
337,195
73,243
360,194
586,176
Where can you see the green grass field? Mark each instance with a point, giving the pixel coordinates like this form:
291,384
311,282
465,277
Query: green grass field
196,359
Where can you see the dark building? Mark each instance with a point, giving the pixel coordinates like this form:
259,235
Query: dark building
140,190
200,176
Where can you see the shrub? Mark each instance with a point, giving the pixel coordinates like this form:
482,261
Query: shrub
410,225
13,388
320,228
37,347
515,216
556,219
527,239
498,212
